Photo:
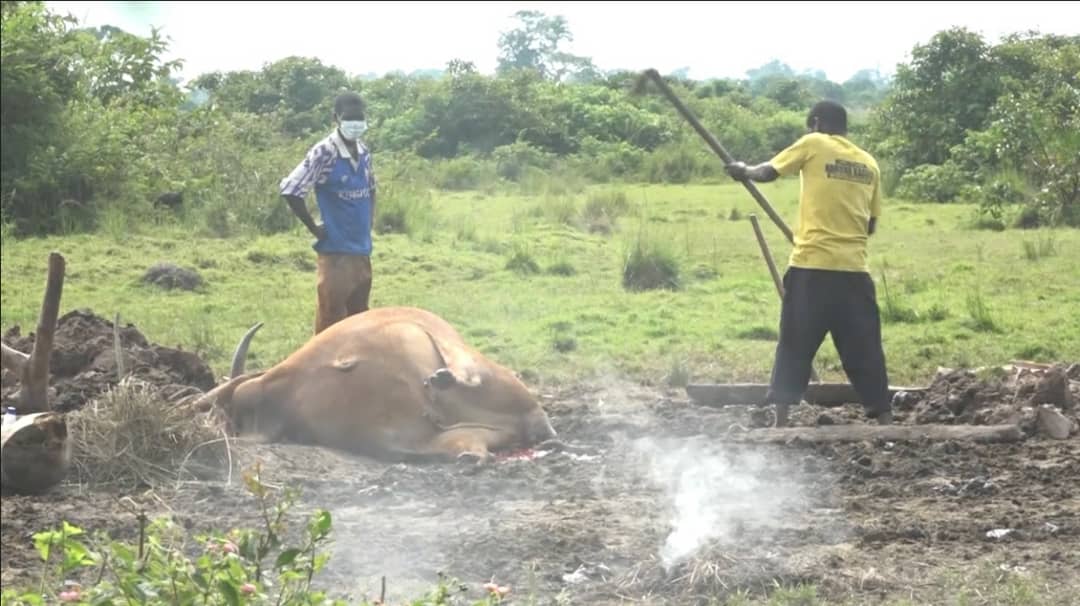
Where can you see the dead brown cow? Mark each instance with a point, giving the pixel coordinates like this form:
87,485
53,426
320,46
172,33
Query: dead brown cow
394,383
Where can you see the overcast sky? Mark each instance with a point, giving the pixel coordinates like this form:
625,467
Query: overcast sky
710,38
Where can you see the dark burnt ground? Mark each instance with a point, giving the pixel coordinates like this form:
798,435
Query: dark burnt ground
865,521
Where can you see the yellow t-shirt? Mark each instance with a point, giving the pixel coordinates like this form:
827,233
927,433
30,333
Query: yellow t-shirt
841,191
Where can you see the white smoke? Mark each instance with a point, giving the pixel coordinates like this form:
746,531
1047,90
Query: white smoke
712,494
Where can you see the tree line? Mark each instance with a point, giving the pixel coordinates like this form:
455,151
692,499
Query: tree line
96,126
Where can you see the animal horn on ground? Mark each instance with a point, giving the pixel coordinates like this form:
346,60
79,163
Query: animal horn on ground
639,88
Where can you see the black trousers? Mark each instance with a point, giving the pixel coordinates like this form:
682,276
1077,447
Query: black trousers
843,304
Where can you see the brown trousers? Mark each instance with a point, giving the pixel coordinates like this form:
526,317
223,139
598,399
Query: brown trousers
344,286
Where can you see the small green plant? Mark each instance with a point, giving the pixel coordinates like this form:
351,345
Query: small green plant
246,566
1042,247
758,333
650,266
522,262
465,229
937,313
602,211
564,343
561,210
404,209
982,318
894,309
679,374
562,268
255,567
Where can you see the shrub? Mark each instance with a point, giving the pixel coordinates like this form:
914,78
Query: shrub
931,183
522,262
464,173
650,266
514,161
404,209
677,163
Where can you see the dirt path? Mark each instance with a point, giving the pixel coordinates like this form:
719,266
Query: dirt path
662,510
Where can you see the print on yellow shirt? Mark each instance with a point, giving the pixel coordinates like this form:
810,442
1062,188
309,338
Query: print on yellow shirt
841,191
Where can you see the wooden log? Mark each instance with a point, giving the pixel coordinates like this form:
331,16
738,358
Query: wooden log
890,433
35,453
753,394
33,369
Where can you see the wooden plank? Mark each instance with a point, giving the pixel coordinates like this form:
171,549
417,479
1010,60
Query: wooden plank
753,394
889,433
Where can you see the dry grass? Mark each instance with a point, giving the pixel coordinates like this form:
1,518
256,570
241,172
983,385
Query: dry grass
131,437
713,577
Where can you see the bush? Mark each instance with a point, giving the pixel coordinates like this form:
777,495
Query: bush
512,162
404,209
464,173
650,266
677,163
522,262
602,210
931,183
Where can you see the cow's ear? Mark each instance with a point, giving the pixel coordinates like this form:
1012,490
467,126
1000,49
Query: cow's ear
464,367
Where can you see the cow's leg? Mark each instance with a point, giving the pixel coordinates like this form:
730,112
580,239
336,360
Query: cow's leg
469,444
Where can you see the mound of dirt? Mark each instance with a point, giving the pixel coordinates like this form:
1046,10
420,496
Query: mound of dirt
169,276
83,361
1011,394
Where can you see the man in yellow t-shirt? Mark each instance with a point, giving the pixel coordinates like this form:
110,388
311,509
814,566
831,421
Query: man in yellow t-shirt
827,286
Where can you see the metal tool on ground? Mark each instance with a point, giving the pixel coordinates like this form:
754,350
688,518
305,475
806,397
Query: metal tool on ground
652,74
775,274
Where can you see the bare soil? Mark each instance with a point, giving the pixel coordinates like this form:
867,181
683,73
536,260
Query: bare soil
657,507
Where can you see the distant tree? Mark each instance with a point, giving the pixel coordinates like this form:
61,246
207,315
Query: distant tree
946,91
534,46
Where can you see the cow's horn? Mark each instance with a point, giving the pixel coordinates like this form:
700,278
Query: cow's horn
240,355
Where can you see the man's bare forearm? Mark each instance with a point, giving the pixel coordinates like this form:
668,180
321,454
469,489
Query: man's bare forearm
763,172
300,210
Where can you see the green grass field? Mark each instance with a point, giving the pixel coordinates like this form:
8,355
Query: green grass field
535,281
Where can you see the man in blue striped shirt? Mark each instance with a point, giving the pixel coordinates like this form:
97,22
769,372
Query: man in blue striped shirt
339,169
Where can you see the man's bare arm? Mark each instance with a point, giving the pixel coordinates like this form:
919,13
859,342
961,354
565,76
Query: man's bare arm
300,210
762,173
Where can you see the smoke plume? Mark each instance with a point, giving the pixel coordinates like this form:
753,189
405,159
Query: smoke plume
712,494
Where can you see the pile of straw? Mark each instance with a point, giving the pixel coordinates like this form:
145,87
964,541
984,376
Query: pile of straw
131,437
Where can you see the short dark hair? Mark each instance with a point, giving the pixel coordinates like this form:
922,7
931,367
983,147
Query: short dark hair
832,117
346,101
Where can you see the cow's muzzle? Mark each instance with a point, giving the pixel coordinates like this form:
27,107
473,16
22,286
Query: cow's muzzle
540,429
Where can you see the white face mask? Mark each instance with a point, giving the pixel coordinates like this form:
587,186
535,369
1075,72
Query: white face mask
353,129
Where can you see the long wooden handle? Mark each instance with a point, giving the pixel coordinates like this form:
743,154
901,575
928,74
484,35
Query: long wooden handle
768,256
719,149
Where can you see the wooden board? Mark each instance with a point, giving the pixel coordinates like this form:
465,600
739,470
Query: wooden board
753,394
888,433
